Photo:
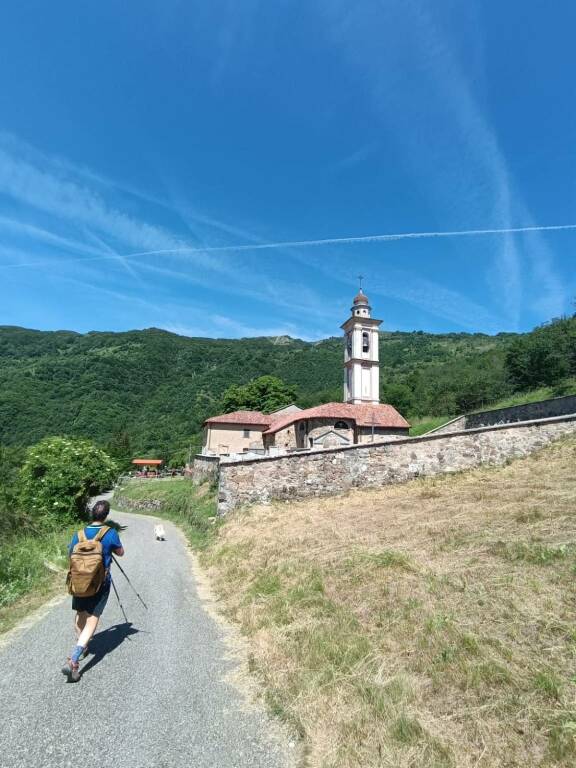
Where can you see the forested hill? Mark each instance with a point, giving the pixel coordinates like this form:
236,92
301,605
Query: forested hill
152,389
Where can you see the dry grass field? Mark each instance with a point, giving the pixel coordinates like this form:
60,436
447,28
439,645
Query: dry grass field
427,625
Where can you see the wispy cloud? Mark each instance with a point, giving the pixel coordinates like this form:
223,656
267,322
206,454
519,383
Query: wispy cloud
427,295
39,234
229,325
424,98
356,157
50,188
221,326
119,296
74,197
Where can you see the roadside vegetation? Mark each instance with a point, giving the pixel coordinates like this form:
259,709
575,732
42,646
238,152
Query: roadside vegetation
425,625
192,507
43,497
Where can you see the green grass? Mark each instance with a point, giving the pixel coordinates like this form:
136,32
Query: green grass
532,552
427,423
424,424
32,568
567,387
191,507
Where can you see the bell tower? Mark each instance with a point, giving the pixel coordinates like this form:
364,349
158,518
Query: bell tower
361,361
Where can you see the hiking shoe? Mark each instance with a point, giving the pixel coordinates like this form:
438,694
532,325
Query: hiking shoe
71,670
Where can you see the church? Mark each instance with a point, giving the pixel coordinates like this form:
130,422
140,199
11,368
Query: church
360,418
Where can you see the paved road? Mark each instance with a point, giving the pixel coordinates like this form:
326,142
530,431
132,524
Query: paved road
153,695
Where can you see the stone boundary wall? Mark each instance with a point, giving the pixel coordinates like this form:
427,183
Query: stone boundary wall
148,505
334,471
542,409
205,468
455,425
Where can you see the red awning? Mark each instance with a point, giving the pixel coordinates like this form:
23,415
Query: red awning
147,462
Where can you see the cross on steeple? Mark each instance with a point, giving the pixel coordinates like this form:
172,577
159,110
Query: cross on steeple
360,278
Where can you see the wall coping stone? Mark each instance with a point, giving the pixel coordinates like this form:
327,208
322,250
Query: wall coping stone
447,424
203,457
403,441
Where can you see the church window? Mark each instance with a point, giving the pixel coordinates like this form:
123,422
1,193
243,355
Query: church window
365,341
341,425
246,433
302,426
349,343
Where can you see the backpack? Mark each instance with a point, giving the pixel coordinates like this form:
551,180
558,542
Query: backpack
87,573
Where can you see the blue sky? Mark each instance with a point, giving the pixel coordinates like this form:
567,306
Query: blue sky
190,128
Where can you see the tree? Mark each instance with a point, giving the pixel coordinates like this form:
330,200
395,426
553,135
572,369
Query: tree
543,357
119,448
266,394
60,474
398,395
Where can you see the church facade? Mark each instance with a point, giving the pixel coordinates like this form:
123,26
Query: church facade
360,418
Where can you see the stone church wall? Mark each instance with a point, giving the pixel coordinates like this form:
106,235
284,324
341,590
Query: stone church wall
319,427
380,434
284,439
333,471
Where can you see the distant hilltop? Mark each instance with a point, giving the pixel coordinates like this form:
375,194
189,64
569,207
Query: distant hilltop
154,388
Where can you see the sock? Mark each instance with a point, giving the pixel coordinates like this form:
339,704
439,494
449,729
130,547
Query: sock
76,653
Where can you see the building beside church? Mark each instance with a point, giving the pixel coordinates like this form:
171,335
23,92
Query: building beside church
361,418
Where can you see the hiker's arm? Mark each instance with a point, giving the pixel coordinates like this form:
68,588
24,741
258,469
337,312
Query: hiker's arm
118,551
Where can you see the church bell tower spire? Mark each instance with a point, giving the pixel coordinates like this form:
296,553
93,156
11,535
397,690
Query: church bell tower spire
361,360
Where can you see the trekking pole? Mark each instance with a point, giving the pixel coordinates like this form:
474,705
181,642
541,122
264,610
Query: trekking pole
119,602
129,582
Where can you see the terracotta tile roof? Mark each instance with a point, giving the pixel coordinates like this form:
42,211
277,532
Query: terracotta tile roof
381,415
254,418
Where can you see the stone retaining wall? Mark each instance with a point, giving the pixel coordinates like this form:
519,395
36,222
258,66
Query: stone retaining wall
334,471
456,425
542,409
205,468
146,505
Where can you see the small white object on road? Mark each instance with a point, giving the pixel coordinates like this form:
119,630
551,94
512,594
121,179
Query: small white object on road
159,532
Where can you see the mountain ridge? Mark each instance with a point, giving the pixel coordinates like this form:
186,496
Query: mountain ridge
151,388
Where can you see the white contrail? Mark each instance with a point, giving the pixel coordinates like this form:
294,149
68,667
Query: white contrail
314,243
355,240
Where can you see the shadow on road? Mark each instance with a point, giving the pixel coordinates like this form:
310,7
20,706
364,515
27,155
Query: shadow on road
107,641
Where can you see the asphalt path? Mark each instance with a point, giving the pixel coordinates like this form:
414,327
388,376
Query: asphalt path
153,694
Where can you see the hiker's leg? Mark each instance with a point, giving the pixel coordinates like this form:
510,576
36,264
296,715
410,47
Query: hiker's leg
88,630
80,622
88,624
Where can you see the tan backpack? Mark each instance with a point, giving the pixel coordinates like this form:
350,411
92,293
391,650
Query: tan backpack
86,573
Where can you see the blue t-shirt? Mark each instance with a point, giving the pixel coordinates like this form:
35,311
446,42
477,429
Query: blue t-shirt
110,541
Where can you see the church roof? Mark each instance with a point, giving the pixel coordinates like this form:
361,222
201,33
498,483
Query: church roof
361,298
254,418
377,415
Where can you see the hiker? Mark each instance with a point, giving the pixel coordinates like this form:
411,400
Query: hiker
89,580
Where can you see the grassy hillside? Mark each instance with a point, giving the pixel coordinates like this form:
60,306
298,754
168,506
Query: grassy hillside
426,625
150,391
158,387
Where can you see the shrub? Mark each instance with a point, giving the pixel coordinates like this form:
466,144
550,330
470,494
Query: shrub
60,474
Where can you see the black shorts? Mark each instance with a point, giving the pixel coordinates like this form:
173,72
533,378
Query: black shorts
93,605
